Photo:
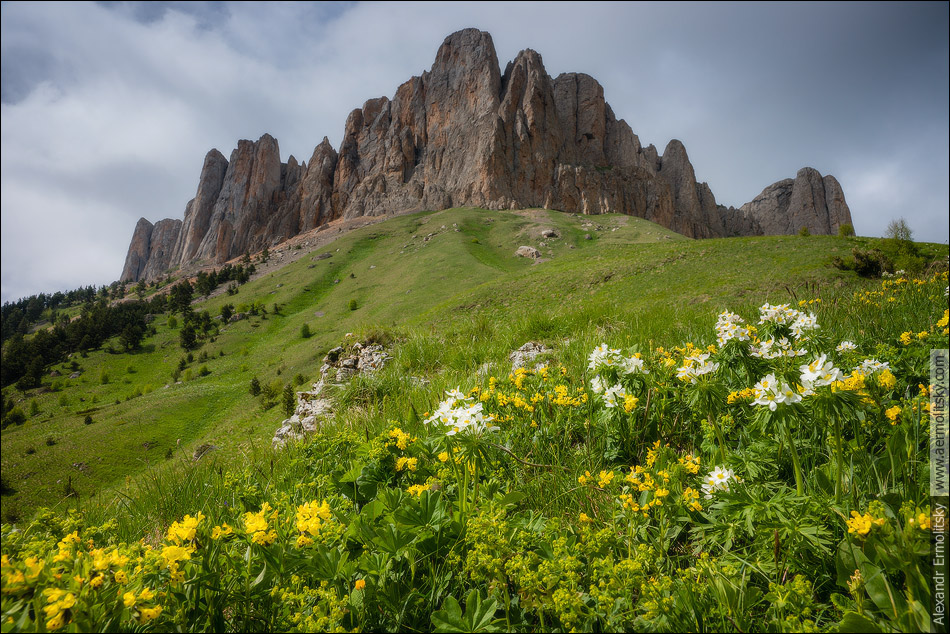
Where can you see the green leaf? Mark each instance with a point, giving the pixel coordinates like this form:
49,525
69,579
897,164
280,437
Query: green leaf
477,618
449,618
854,622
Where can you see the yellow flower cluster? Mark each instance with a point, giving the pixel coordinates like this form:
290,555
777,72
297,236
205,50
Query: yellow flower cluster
741,396
185,530
861,524
57,609
691,499
893,414
886,379
605,478
311,518
405,462
690,463
400,438
221,531
255,524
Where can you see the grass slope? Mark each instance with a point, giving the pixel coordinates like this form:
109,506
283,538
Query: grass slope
445,285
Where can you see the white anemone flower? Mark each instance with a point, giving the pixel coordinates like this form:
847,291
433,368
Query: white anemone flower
603,357
597,384
632,365
820,372
614,396
459,417
717,480
870,366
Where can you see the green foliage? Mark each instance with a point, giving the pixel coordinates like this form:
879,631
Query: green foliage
188,337
871,263
352,305
289,399
255,387
305,332
846,230
804,232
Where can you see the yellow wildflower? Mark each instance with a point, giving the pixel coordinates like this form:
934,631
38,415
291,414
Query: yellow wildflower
147,614
221,531
629,403
886,379
605,478
129,599
184,531
893,413
359,585
691,499
417,489
905,338
861,524
444,456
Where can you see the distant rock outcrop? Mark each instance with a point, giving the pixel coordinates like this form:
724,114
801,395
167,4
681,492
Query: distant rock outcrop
808,200
464,133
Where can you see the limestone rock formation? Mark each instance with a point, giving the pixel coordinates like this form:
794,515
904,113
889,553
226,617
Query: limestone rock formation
809,200
137,257
165,236
199,209
464,133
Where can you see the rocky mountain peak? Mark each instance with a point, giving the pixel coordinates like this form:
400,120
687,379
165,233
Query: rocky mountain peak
464,133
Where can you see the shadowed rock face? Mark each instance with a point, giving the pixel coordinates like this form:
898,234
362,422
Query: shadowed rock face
137,257
463,133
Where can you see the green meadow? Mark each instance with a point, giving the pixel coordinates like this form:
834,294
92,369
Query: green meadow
384,522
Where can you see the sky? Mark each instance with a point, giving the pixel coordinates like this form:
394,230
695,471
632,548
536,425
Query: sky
108,109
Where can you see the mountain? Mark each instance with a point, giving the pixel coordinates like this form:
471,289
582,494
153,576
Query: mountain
466,134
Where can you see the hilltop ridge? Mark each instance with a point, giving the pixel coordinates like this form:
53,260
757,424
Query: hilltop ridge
465,133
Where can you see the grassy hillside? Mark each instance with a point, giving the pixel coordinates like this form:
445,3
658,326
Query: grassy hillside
647,484
446,284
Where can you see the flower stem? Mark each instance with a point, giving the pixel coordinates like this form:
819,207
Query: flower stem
839,461
719,438
799,485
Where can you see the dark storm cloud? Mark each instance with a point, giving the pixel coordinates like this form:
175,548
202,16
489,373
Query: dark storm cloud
109,108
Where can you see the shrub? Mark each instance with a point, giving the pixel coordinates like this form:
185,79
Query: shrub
305,332
352,305
804,232
50,441
864,262
846,230
204,371
88,420
255,387
104,378
899,230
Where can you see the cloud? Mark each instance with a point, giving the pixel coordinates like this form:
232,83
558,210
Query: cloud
108,110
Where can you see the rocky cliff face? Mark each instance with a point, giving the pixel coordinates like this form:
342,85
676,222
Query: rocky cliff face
464,133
